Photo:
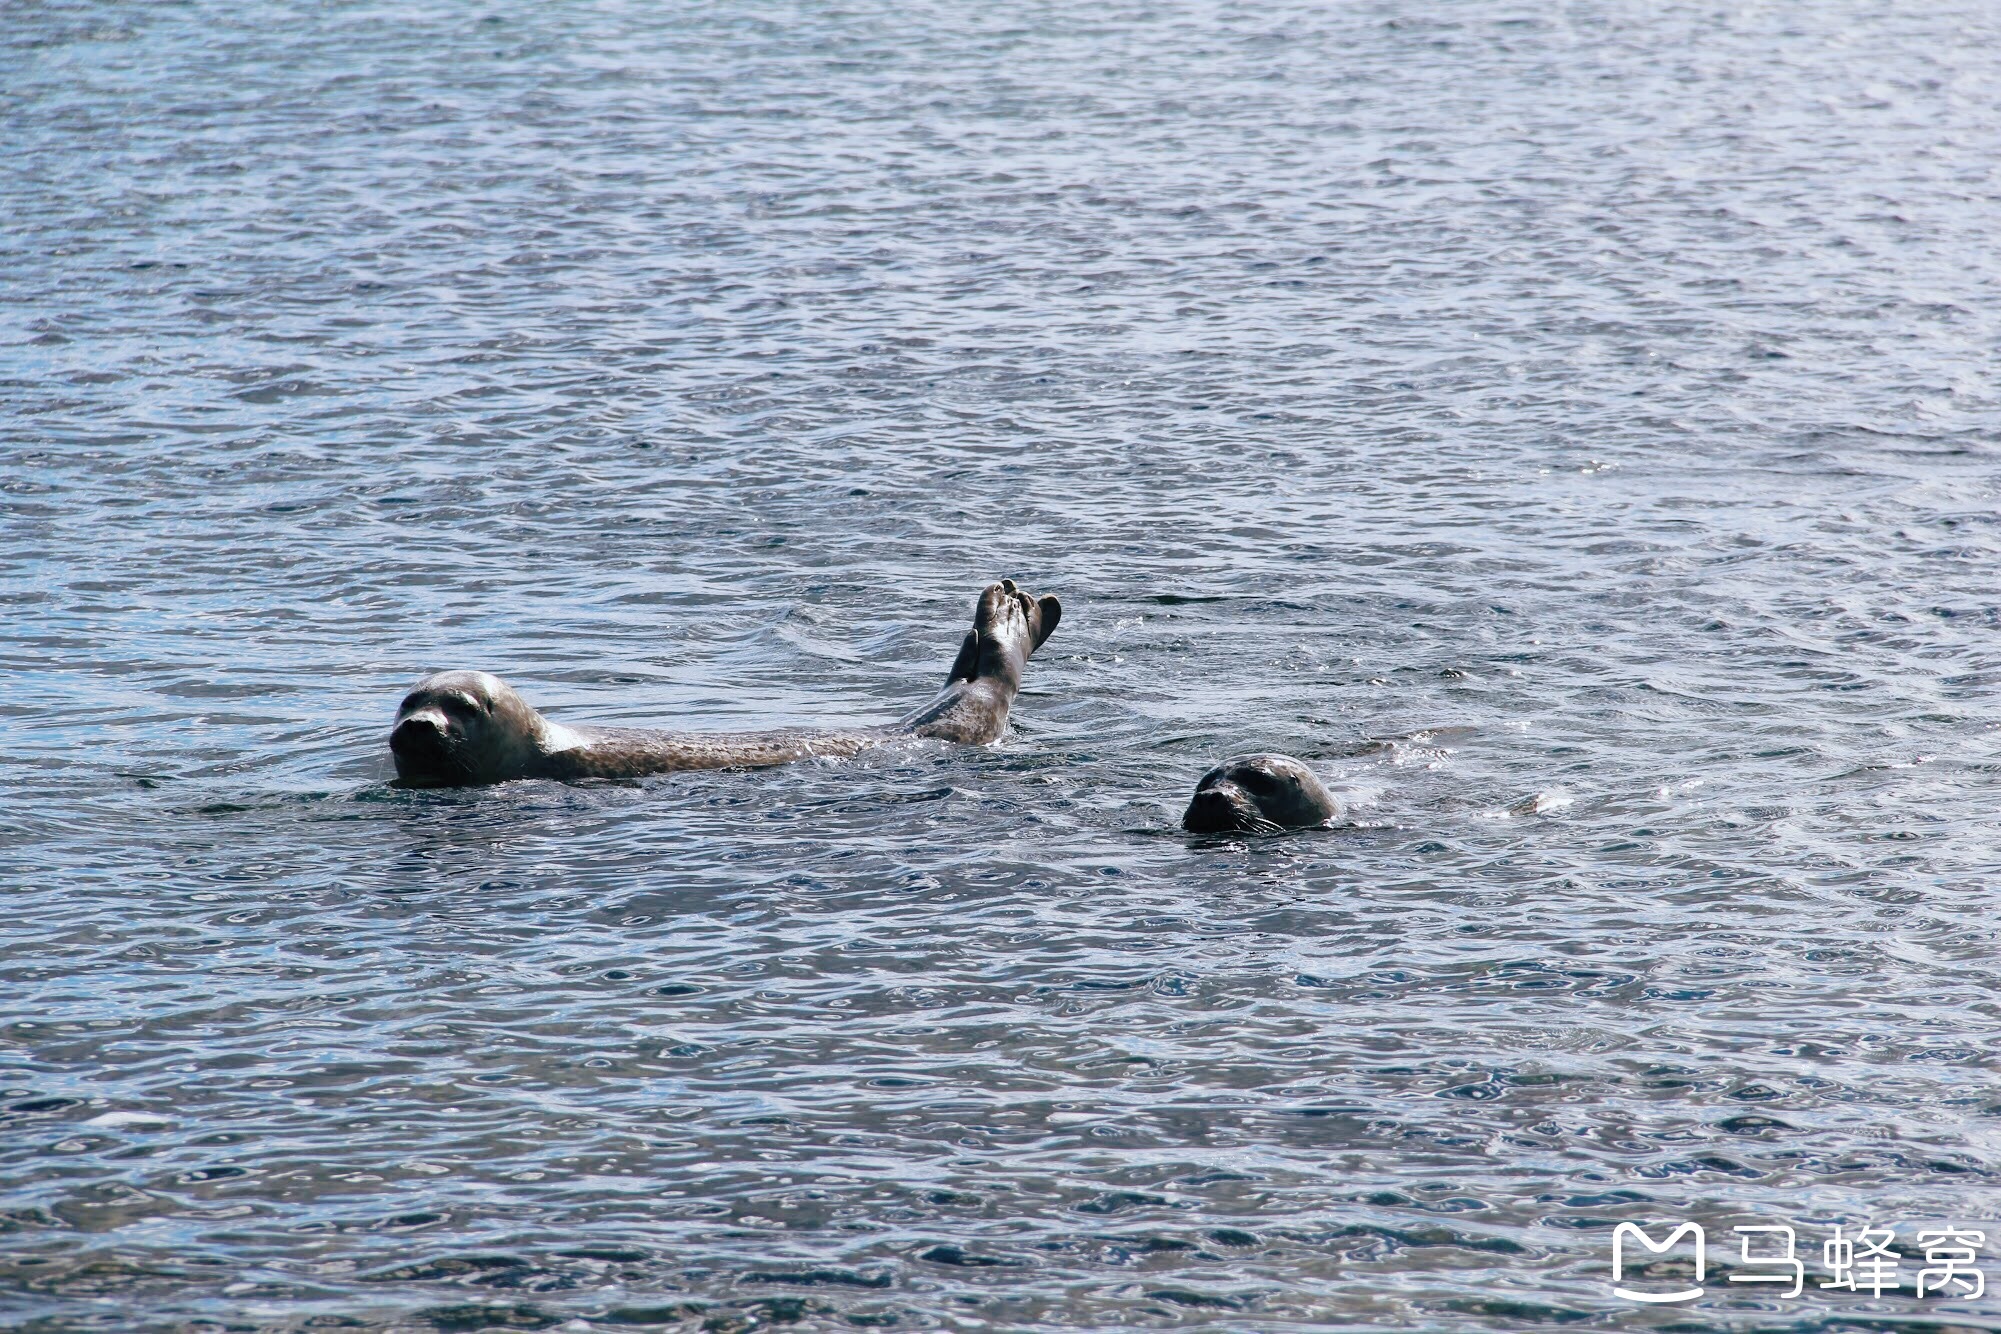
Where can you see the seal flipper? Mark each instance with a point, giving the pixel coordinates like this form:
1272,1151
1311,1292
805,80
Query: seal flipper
967,664
1008,625
1040,615
1043,624
1005,641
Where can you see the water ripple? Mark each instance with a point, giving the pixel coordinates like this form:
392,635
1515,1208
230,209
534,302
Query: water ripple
1572,431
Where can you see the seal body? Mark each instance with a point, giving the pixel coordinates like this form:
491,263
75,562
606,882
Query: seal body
1259,794
464,729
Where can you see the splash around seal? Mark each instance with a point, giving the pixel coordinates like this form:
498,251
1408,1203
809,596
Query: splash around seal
1260,794
470,728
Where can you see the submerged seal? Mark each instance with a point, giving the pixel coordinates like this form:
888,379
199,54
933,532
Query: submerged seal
1259,794
464,729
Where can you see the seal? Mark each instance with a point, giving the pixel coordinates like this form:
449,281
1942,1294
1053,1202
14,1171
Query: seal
467,729
1259,794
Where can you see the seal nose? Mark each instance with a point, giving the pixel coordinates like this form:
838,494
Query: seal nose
418,734
1214,809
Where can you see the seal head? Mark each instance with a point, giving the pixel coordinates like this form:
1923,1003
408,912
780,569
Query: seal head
1259,794
461,729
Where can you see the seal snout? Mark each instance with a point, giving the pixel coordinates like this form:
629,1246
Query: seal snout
1218,807
417,725
422,743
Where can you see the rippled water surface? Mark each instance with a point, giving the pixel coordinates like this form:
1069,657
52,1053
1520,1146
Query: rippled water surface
1572,427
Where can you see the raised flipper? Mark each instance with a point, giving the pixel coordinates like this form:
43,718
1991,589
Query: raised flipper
1008,626
967,665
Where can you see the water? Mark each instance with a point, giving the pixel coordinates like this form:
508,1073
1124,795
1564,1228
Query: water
1571,427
